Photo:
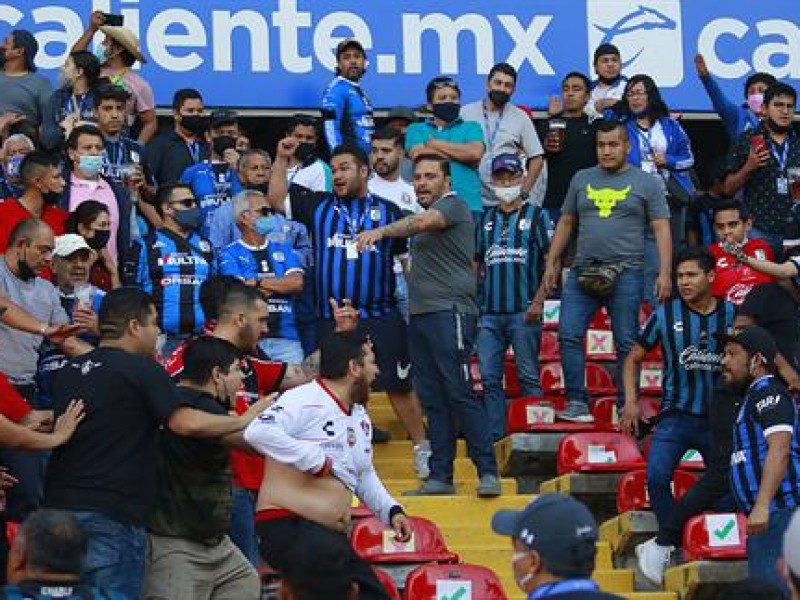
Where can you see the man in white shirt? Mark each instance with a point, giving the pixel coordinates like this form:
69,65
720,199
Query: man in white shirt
385,158
609,86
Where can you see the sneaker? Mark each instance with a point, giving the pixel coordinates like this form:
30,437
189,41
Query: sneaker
489,487
380,436
653,560
431,487
422,457
576,412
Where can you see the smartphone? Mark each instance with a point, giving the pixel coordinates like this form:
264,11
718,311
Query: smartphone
113,20
758,143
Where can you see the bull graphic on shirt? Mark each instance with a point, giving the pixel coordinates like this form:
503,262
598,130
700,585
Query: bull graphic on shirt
605,199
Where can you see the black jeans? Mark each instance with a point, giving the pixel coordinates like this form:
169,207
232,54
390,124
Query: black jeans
277,538
713,490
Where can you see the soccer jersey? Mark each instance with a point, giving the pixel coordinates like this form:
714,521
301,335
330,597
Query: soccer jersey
511,248
767,409
213,185
692,355
347,113
734,280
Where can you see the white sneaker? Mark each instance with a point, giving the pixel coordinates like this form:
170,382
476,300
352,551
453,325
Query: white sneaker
422,456
653,560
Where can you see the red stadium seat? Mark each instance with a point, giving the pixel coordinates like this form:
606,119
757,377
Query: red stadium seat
475,374
692,461
650,378
436,581
552,379
551,314
549,350
598,452
533,414
604,411
511,386
601,320
715,536
650,407
359,510
600,345
599,381
632,489
388,583
375,543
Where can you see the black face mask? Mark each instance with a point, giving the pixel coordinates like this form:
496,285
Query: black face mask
26,273
775,128
100,239
258,187
446,111
499,97
222,143
195,124
51,198
304,151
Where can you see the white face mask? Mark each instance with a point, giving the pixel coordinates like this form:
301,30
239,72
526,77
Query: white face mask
507,194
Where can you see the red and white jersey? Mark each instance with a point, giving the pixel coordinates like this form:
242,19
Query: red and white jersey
307,426
735,280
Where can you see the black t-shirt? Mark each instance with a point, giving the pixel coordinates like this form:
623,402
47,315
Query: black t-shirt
578,153
109,464
168,155
774,309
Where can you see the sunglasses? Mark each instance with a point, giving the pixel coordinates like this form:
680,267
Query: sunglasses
186,202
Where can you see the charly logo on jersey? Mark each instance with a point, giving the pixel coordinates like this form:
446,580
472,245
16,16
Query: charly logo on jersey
693,358
645,31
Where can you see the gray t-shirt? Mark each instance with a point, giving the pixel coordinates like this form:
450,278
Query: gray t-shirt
19,350
614,211
508,131
441,275
28,94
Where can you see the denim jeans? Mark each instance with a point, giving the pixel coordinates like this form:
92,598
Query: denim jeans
496,332
674,435
283,350
577,309
651,268
242,530
440,344
115,557
764,550
401,294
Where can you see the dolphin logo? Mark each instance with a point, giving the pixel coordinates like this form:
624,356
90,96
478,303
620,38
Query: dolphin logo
644,18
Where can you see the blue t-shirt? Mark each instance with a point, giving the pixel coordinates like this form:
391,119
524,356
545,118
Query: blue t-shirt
213,185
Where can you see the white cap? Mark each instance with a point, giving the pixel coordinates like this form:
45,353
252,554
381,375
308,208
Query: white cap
791,544
69,243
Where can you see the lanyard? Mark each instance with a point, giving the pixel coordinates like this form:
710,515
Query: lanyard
491,135
118,153
560,587
75,103
344,213
784,157
646,137
194,150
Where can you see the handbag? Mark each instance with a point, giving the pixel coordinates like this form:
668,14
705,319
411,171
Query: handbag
598,279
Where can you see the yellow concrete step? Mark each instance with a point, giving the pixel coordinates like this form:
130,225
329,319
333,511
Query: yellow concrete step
452,511
464,487
403,449
403,468
498,557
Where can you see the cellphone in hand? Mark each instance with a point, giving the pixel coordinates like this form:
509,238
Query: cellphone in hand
758,143
113,20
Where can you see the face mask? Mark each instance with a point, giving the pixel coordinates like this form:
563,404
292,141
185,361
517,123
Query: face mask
447,111
507,194
499,97
222,143
100,54
100,239
90,165
51,198
188,218
265,225
26,273
755,102
775,128
258,187
195,124
12,166
304,151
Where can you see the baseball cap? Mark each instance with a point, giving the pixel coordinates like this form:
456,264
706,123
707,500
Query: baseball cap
349,43
507,162
24,39
604,49
791,545
560,528
753,339
402,112
222,116
69,243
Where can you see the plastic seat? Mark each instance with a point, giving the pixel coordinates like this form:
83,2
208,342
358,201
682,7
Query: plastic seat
549,350
604,411
511,386
388,583
551,314
598,452
531,414
551,378
601,320
436,581
359,510
715,536
632,489
600,345
651,377
599,381
475,375
375,543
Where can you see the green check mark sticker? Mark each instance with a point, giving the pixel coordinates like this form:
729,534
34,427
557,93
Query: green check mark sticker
551,313
725,530
457,595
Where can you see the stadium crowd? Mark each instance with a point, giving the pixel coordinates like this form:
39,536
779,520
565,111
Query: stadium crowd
160,289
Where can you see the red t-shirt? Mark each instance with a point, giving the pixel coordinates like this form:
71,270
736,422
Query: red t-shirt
735,280
261,377
12,405
13,212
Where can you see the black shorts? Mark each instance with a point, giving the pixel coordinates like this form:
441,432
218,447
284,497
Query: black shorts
389,335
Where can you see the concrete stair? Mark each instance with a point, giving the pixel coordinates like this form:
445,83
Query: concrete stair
465,519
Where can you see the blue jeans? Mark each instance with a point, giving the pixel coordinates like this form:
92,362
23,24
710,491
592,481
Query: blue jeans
675,433
115,557
242,530
496,332
652,265
283,350
577,309
764,550
440,344
401,294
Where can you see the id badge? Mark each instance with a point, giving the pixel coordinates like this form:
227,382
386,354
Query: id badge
782,186
351,251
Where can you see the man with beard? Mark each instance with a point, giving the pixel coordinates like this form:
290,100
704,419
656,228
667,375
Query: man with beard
765,460
346,110
506,129
317,440
759,162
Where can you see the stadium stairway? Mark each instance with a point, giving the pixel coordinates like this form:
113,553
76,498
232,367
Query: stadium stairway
464,519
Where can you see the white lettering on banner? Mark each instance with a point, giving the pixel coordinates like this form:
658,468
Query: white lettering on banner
225,23
695,358
288,20
325,41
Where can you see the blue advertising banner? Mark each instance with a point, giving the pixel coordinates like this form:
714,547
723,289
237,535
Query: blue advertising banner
279,53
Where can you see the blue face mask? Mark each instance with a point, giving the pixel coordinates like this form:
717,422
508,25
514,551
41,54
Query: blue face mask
90,165
266,225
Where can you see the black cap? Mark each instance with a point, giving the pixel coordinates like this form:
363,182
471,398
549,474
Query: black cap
349,43
604,49
753,339
560,528
223,116
24,39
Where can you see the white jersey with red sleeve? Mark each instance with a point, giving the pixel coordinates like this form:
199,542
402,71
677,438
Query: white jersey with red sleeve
734,280
309,429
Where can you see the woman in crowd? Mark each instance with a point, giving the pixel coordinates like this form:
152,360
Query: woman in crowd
92,220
